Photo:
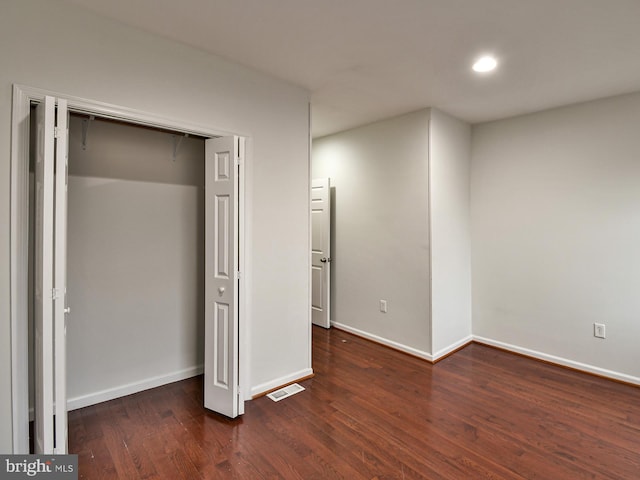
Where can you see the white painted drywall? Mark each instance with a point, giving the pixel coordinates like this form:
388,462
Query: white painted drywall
556,232
449,164
133,283
55,46
379,179
135,279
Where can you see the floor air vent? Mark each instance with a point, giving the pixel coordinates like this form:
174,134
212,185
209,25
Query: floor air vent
285,392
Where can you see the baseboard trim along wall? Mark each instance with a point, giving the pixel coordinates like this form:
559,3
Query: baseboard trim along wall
583,367
383,341
264,388
453,348
441,354
129,388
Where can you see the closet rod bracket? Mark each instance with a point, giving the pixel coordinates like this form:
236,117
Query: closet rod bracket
85,130
177,141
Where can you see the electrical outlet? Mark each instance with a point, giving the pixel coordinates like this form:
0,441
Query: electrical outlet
383,306
599,330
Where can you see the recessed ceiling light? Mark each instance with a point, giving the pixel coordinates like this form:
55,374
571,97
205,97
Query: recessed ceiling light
485,64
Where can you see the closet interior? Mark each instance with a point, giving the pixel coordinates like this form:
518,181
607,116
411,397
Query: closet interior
135,280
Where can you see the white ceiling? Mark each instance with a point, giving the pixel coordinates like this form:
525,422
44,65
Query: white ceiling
364,60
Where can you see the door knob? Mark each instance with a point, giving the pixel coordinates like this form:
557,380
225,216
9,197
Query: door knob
67,310
325,259
220,290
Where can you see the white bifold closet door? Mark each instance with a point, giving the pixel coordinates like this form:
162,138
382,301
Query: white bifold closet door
50,276
221,363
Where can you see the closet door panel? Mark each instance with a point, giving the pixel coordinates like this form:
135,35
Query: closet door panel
221,276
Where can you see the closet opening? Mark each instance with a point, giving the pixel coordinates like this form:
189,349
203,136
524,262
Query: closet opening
145,244
135,279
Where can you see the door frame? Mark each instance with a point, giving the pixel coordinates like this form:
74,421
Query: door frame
23,96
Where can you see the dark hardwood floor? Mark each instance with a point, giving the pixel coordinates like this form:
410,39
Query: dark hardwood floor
373,413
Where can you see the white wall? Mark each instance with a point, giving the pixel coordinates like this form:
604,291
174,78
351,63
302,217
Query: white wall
556,233
449,165
135,276
379,177
133,287
56,46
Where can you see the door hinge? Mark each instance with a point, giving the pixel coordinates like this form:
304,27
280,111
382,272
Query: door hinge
57,133
55,293
238,275
239,152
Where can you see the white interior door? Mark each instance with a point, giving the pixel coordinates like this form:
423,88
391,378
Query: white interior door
221,363
320,251
50,277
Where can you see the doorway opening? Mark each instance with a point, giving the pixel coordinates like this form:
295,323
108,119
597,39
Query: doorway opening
161,211
134,280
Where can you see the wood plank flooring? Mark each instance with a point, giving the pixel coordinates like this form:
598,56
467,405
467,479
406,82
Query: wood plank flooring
373,413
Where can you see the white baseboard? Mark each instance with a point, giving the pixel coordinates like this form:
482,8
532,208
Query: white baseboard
454,346
602,372
129,388
279,382
384,341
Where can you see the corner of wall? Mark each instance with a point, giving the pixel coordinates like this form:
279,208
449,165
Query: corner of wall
450,246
